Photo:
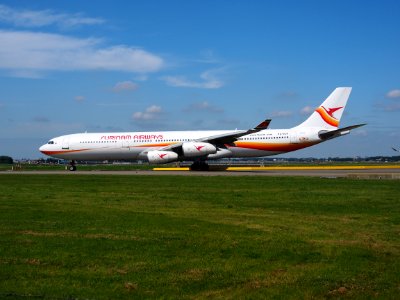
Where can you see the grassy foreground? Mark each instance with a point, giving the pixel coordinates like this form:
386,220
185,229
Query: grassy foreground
109,237
81,167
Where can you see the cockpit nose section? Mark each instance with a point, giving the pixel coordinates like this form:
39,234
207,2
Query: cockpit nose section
47,147
43,148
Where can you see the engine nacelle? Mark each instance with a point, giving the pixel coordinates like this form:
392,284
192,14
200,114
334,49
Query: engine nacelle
161,157
221,153
194,149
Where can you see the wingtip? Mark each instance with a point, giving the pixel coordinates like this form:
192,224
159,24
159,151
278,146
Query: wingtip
263,125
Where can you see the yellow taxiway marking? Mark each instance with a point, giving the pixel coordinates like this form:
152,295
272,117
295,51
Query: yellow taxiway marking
171,169
313,168
291,168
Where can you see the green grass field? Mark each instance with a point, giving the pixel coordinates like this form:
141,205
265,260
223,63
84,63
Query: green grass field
116,237
81,167
146,166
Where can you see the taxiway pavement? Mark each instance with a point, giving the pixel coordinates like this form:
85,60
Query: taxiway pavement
381,173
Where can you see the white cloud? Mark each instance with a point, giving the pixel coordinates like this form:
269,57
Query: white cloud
203,106
359,132
393,94
79,98
125,86
210,81
208,57
307,110
141,77
281,114
40,18
154,109
395,134
24,51
392,107
151,113
33,74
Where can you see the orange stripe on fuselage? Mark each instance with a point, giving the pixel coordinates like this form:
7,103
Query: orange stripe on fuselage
326,117
62,151
284,147
153,145
281,147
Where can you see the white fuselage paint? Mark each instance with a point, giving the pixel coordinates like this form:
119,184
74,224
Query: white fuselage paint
157,147
133,145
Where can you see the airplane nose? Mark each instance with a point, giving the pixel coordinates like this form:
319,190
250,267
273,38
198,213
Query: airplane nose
42,148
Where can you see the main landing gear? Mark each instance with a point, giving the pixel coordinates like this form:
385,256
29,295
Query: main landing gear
199,166
72,166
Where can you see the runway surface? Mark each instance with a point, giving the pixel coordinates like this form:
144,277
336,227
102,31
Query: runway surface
362,172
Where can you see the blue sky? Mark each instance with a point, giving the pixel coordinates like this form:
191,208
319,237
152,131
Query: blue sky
75,66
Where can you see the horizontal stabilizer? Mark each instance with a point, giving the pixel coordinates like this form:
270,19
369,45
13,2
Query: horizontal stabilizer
327,135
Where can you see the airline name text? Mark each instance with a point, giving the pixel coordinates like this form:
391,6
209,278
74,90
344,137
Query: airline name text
133,137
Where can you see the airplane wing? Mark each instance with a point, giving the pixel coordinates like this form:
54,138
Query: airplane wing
327,135
231,137
226,138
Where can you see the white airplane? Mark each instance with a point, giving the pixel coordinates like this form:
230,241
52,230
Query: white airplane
199,146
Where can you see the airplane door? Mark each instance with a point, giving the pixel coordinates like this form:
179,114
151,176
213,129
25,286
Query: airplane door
125,145
65,143
294,138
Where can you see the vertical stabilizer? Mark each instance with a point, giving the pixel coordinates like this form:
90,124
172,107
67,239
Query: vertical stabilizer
328,114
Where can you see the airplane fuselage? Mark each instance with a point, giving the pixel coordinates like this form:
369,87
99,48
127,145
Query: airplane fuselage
198,146
132,145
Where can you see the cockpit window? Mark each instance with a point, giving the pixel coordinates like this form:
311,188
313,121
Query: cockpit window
51,142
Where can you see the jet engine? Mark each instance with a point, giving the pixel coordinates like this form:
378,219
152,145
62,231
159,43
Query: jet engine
221,153
161,157
194,149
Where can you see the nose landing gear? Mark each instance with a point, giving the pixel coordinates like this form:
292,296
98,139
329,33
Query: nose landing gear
72,165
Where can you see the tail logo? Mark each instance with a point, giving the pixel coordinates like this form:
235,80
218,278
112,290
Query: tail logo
327,115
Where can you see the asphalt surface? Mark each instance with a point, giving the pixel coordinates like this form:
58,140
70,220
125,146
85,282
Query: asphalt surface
363,173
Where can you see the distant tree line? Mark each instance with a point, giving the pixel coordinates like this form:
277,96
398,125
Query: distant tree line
330,159
6,160
383,158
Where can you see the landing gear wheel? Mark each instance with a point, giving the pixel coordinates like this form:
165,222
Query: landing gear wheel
72,166
199,166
